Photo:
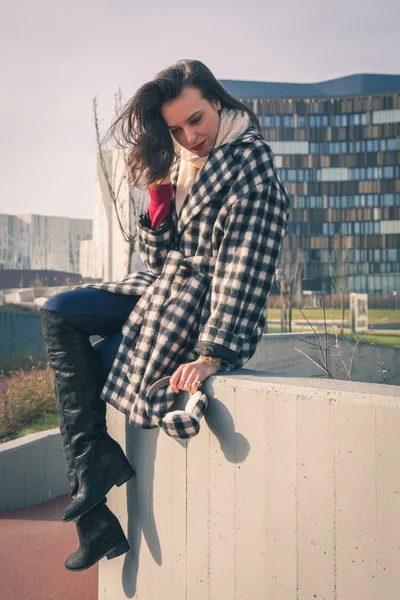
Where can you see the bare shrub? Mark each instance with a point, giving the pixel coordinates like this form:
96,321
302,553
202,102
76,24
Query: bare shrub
25,397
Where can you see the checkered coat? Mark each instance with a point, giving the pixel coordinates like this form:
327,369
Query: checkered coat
210,271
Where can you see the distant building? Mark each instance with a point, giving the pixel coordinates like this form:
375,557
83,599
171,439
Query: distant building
14,242
42,242
86,258
337,146
25,278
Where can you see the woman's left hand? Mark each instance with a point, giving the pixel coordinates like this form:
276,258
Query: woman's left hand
197,369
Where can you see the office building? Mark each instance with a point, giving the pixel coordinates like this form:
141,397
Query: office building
42,242
337,146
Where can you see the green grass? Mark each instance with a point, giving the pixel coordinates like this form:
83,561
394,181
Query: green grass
389,339
375,315
49,421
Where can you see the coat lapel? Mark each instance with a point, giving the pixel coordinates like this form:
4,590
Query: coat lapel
215,173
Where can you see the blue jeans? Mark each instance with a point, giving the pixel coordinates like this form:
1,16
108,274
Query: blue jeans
96,312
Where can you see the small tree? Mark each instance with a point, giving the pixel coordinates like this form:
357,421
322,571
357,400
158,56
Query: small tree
288,276
321,358
37,287
68,283
337,262
126,200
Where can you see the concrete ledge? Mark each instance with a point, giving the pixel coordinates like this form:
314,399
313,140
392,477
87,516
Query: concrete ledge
291,490
32,470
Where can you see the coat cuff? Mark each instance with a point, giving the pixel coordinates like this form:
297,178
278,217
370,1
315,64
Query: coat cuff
219,343
215,351
154,234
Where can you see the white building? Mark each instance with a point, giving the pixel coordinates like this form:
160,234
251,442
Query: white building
14,242
86,258
42,242
109,246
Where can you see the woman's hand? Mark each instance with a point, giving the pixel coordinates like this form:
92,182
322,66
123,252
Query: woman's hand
197,369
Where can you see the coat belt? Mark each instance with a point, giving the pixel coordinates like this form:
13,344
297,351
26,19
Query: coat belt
177,264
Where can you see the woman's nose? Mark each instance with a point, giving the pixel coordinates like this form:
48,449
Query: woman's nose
191,137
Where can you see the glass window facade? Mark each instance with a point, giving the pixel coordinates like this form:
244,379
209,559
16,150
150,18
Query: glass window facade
339,158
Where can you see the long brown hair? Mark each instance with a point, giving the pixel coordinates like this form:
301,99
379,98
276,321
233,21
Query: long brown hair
141,127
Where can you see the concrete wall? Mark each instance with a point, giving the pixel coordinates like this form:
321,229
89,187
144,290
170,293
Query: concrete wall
290,491
32,470
20,334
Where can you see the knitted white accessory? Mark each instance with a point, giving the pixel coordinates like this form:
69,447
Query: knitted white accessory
232,123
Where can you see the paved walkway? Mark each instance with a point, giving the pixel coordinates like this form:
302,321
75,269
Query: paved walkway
34,544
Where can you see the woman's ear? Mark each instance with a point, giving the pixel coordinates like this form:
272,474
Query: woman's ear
217,104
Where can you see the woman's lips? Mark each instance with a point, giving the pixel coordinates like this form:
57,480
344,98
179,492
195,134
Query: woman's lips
199,147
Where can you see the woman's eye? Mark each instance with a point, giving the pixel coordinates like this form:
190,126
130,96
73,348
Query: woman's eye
196,120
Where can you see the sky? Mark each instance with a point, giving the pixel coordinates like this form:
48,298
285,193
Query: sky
57,57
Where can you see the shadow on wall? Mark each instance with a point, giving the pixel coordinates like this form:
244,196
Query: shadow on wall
141,451
284,471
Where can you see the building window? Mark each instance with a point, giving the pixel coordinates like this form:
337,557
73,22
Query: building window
268,121
388,172
288,121
387,199
385,116
281,147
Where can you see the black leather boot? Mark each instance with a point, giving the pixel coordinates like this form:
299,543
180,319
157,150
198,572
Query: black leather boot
100,534
95,461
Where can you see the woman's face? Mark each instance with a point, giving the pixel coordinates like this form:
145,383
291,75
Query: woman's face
192,120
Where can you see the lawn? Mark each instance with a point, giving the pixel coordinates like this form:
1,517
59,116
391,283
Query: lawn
376,316
48,421
389,339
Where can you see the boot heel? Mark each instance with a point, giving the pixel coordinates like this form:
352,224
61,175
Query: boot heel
125,477
121,549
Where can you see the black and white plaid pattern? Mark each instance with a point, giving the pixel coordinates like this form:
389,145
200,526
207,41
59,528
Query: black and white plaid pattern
209,274
181,424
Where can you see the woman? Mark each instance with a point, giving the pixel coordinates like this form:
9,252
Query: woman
217,216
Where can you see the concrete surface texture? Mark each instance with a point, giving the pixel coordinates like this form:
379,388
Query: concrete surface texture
290,491
32,470
33,548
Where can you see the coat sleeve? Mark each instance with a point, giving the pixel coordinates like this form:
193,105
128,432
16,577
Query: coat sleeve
154,244
254,230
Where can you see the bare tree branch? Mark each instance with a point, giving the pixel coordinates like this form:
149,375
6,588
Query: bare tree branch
127,206
316,362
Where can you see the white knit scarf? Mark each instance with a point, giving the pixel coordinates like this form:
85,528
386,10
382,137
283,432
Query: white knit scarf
232,123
